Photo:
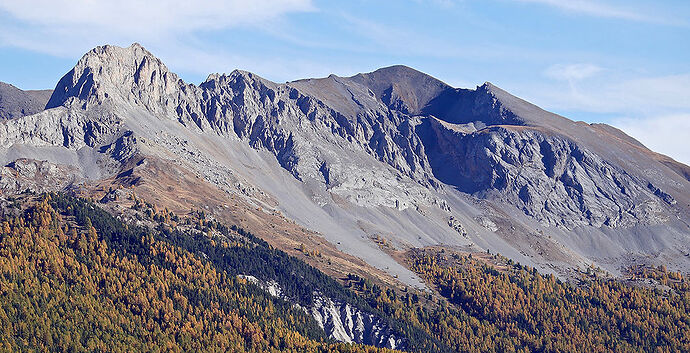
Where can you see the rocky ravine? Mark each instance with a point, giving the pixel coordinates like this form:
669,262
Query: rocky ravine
392,154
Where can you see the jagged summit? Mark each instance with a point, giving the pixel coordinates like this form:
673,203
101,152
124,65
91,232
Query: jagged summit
114,72
134,74
235,78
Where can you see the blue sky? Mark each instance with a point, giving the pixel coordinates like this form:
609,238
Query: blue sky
626,63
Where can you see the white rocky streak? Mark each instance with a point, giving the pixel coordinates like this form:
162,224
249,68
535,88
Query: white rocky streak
346,323
340,321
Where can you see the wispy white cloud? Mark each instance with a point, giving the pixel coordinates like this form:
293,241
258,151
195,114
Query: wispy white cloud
607,9
149,18
442,3
405,40
572,72
170,28
66,27
640,96
667,134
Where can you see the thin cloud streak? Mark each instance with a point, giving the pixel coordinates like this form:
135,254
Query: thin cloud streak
668,134
403,41
636,96
63,27
601,9
572,72
152,18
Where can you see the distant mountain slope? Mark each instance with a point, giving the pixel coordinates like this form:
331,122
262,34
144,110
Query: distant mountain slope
394,155
16,103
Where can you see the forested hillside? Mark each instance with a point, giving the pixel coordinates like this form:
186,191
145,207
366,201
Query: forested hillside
73,278
505,307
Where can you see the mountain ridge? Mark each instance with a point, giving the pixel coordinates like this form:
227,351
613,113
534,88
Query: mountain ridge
363,157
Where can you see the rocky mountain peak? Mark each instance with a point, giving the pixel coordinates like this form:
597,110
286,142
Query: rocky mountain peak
402,88
107,72
235,78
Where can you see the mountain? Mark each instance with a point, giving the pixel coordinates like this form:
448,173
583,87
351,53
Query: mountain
16,103
364,167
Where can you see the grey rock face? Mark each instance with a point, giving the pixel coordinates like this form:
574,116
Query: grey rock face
549,177
341,321
111,73
392,152
68,128
15,103
661,194
346,323
32,175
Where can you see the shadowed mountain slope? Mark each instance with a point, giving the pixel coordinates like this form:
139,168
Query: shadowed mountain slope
15,102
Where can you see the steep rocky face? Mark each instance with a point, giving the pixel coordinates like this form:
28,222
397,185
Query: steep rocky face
394,153
240,105
341,321
15,103
548,176
346,323
480,107
111,73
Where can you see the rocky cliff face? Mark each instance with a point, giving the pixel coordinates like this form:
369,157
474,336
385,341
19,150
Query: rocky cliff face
549,177
346,323
114,74
394,154
341,321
